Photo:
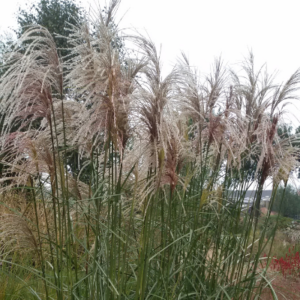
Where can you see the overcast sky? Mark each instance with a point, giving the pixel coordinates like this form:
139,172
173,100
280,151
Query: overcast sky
207,29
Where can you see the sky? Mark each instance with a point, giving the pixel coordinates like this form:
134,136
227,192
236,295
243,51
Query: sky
204,30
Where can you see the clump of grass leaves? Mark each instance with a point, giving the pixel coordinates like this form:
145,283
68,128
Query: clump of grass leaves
119,183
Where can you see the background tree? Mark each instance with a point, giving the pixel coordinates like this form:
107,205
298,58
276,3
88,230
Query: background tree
6,41
284,130
291,203
55,16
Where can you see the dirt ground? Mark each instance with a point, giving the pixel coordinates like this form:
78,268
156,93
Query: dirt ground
286,288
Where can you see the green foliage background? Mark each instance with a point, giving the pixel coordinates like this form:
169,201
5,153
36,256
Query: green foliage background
291,202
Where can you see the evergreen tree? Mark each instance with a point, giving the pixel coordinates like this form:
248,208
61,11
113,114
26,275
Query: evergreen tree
55,15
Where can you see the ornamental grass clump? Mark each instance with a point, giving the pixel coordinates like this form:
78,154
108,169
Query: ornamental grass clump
132,183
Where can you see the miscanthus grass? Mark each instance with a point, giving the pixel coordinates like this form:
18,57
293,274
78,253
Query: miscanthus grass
119,183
